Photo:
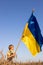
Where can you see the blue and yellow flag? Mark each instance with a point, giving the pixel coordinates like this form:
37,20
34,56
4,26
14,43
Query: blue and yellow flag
31,36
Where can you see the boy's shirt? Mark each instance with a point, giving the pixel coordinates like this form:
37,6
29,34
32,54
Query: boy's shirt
10,52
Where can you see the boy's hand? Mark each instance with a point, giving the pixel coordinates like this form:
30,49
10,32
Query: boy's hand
13,55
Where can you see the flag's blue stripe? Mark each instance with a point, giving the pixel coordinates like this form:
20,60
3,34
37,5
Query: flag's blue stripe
35,29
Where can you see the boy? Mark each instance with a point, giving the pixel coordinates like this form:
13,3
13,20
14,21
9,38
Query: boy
11,54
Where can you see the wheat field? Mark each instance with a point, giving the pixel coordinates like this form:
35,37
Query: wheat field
5,62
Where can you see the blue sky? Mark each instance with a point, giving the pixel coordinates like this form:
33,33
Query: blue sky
13,16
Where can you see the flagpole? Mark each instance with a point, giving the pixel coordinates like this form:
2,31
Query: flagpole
33,10
18,45
19,41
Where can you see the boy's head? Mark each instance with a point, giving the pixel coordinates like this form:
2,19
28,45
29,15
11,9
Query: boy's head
11,47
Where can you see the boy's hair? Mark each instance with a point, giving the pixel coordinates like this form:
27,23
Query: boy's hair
10,46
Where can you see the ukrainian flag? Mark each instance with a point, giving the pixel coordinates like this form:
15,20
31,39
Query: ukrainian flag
31,36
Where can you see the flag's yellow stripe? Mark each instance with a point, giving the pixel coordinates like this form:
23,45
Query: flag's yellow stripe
30,41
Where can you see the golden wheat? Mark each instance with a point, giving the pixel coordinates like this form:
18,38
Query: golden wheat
5,62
